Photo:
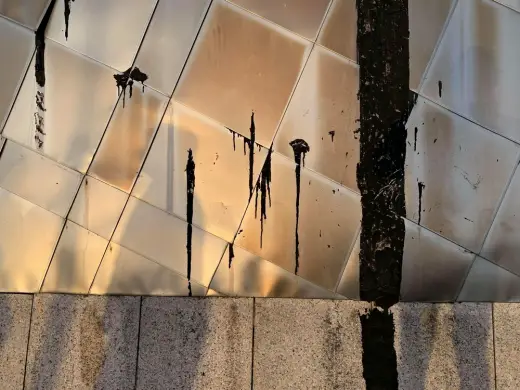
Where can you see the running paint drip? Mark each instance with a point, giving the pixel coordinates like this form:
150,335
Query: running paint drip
421,188
127,78
264,187
332,133
231,254
235,135
251,144
67,16
300,149
190,191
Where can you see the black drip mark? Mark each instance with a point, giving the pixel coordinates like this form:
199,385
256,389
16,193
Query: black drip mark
421,187
300,149
138,76
40,98
127,78
440,88
190,190
39,64
332,133
264,186
379,357
237,135
251,143
415,140
231,254
67,15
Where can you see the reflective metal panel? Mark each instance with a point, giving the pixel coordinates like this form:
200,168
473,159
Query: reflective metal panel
514,4
324,111
329,218
75,261
38,179
433,267
79,96
213,293
241,64
125,272
349,283
502,242
16,46
304,17
221,171
168,41
28,235
459,169
97,207
128,137
488,282
252,276
476,65
162,238
340,27
26,12
109,31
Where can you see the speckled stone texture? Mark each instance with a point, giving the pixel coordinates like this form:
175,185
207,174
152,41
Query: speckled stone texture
79,342
444,346
15,314
507,345
195,343
308,344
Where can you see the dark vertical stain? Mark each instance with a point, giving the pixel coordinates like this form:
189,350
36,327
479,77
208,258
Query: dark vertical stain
126,80
379,357
39,63
67,16
264,186
190,190
332,133
300,148
231,254
421,187
415,140
40,98
440,88
251,144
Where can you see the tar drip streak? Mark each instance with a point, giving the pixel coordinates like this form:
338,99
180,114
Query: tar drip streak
263,186
300,148
251,144
127,78
67,16
231,254
190,191
385,103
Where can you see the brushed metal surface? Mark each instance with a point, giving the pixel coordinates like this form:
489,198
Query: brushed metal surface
252,276
328,223
514,4
304,17
128,137
108,31
97,207
465,170
339,29
241,63
125,272
168,41
221,171
349,283
490,283
476,63
434,268
80,95
75,261
28,235
324,111
16,48
25,12
161,237
38,179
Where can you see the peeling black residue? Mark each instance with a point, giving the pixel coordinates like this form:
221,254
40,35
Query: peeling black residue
421,186
379,357
415,139
231,254
40,98
440,88
332,133
39,64
263,186
251,144
138,76
127,78
190,191
300,149
67,16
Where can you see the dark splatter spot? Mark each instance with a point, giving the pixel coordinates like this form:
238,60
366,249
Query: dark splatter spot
231,254
300,149
190,191
435,140
415,139
421,186
467,219
440,88
67,16
138,76
127,78
332,133
263,186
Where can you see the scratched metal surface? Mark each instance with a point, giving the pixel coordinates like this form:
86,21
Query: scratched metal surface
103,206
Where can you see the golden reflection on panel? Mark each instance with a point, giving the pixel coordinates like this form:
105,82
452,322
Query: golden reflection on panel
97,207
128,137
349,283
242,63
339,29
75,261
109,31
324,111
38,179
304,17
221,171
79,96
125,272
329,219
162,238
28,235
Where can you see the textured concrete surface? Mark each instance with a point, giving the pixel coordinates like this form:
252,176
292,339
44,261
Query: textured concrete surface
506,318
192,343
444,346
15,313
80,342
307,344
